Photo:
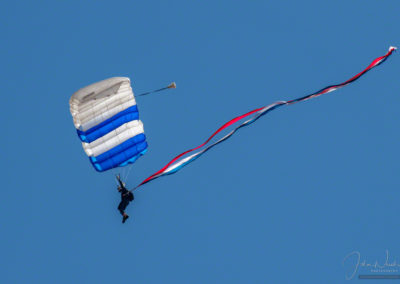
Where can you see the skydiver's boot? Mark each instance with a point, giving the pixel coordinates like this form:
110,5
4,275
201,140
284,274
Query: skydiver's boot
124,218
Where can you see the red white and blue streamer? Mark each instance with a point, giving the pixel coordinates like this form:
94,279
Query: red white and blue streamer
179,161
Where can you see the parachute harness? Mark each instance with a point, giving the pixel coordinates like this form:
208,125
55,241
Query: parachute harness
178,162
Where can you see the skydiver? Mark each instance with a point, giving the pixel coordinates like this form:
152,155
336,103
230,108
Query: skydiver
126,197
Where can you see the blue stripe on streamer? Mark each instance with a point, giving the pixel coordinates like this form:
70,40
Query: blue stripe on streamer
128,156
119,148
109,125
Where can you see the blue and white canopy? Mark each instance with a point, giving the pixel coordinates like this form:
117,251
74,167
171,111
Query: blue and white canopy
107,121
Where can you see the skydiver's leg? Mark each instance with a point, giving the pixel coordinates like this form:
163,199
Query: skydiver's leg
121,207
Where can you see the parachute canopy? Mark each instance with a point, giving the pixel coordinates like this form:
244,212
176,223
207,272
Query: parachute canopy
106,118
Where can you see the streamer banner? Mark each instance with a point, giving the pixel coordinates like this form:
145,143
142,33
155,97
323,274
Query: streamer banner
191,155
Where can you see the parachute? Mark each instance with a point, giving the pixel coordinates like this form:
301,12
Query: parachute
106,118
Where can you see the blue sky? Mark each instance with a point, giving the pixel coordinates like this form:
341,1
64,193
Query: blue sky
283,201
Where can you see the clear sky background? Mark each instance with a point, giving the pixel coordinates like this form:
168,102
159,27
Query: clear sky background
283,201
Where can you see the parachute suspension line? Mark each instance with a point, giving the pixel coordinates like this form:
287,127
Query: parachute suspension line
179,162
128,172
122,170
170,86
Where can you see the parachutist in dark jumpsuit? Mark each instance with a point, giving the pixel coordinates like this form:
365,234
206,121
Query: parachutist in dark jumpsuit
126,197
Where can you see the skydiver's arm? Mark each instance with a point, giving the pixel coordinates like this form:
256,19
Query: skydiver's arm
120,182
